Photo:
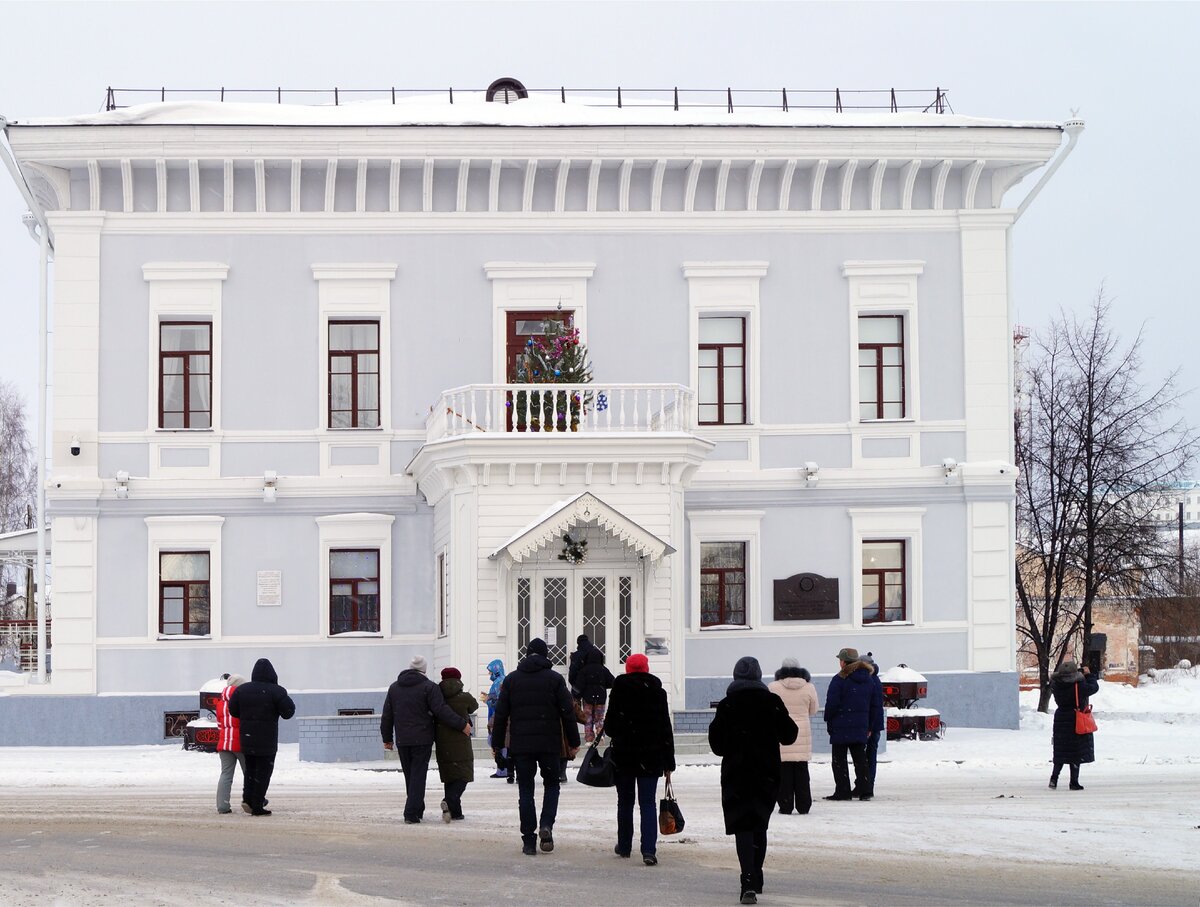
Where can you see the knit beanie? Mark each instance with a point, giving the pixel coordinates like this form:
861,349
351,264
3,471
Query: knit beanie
790,662
234,680
419,664
637,664
451,674
747,668
537,646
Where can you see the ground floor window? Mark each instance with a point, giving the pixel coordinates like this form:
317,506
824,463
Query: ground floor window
883,581
722,584
354,590
183,593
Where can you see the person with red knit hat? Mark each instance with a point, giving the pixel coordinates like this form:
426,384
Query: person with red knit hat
455,756
643,750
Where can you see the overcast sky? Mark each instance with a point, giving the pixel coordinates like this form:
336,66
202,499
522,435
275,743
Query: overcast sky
1118,213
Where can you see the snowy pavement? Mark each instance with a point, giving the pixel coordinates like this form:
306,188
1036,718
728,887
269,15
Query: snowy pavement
977,794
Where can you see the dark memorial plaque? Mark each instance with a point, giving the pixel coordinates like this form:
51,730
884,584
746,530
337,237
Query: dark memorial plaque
806,596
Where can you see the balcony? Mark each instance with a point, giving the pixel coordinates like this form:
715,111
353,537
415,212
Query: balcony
18,638
522,410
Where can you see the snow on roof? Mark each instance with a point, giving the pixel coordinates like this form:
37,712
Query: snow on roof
901,674
470,109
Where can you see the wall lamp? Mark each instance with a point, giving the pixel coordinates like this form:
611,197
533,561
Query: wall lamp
811,473
949,468
270,483
122,484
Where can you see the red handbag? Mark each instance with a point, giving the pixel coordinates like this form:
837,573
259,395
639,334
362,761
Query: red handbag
1084,722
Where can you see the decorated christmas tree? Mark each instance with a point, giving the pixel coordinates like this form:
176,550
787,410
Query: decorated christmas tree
556,357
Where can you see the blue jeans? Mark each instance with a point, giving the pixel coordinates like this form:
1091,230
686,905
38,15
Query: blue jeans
527,765
647,797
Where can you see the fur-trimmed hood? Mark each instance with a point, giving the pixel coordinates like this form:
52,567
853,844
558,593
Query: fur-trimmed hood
849,669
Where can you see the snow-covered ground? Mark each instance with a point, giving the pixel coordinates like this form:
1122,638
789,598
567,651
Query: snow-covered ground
974,793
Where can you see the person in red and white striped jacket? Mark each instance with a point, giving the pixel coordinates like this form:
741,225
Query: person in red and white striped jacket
229,746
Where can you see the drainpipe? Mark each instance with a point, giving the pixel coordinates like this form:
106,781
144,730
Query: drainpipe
39,229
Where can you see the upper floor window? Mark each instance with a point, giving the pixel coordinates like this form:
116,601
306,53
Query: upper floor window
183,593
185,374
353,374
884,599
721,362
722,584
354,591
881,367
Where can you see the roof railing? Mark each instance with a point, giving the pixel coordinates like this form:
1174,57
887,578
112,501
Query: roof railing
894,100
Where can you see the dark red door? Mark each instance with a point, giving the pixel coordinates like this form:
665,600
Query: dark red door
521,328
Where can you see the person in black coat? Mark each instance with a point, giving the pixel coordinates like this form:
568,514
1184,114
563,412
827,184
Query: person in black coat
258,706
1072,689
853,697
536,712
412,709
750,724
594,681
643,749
878,721
583,645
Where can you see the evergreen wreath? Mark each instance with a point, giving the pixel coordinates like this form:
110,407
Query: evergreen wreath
574,550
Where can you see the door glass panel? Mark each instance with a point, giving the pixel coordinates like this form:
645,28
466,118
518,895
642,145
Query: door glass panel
625,617
595,607
721,330
554,610
522,615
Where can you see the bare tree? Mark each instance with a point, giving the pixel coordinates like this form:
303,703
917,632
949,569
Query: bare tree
18,476
1095,448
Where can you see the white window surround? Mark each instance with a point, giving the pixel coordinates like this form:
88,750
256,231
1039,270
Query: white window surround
887,523
184,291
726,526
728,288
356,530
441,561
519,286
885,288
355,291
184,533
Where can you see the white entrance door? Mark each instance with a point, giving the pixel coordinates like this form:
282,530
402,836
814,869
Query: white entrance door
558,605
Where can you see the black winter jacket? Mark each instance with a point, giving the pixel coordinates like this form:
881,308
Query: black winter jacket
535,709
413,706
1068,746
258,706
594,678
639,723
575,665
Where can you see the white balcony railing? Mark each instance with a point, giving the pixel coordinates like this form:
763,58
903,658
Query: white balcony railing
522,409
18,638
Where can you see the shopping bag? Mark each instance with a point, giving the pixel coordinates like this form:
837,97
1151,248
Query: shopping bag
670,816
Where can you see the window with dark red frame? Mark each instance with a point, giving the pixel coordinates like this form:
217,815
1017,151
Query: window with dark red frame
880,367
183,593
721,362
354,591
354,374
722,584
884,581
185,374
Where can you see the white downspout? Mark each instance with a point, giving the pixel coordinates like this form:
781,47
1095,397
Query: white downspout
45,247
1073,128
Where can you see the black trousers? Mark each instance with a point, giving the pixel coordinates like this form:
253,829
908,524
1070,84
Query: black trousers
751,851
414,762
1074,766
841,771
795,792
259,768
454,792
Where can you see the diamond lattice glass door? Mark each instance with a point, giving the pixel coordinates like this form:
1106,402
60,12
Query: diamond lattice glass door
554,617
594,617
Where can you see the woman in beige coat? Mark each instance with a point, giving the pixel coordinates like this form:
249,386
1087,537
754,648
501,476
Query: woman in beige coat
798,694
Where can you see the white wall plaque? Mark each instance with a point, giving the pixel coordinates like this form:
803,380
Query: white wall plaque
551,636
270,588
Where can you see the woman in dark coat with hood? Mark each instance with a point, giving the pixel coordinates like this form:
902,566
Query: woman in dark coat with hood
594,679
1066,684
455,754
258,706
750,724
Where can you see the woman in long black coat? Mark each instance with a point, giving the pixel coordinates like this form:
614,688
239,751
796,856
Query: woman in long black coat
750,724
1070,748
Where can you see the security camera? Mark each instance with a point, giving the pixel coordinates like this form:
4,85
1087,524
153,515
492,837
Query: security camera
949,466
75,448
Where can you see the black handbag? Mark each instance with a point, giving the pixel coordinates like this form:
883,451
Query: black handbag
670,816
597,769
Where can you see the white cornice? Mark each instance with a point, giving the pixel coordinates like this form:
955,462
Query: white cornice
355,271
185,270
882,268
525,270
725,269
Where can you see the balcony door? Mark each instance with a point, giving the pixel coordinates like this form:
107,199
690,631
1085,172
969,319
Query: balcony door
521,328
558,605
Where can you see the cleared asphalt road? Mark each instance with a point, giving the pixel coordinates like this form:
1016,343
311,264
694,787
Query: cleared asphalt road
157,848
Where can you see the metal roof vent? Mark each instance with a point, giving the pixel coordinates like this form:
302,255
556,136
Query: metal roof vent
506,90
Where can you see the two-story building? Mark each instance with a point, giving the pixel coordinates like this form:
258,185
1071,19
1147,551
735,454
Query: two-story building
286,421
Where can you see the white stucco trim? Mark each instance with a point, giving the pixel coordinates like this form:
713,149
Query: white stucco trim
726,526
717,288
885,288
534,287
355,290
184,533
356,530
887,523
185,291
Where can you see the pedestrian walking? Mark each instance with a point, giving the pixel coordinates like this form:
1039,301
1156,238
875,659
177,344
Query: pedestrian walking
455,755
643,750
495,670
750,725
413,706
583,645
229,745
878,723
258,706
1072,689
536,712
800,698
849,703
594,682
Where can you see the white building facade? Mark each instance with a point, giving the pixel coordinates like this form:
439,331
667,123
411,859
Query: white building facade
283,343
